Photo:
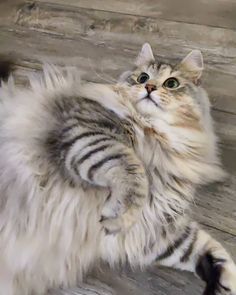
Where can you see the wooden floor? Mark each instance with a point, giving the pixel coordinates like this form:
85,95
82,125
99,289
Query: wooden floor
102,38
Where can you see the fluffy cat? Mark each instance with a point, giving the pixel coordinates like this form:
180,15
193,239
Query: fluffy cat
92,172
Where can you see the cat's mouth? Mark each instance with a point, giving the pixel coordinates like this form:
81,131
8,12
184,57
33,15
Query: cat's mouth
148,97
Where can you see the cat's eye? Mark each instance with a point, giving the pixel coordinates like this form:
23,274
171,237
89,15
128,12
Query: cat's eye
171,83
142,78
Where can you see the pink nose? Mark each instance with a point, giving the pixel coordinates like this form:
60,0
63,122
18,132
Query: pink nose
150,88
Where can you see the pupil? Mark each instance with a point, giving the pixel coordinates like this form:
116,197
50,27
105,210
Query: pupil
171,83
143,78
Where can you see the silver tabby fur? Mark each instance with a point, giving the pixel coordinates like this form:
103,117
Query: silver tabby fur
92,172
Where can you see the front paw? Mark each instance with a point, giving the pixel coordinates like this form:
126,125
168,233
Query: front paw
123,207
111,225
120,223
219,275
228,278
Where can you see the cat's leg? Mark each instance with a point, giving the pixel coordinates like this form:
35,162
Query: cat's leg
193,249
105,162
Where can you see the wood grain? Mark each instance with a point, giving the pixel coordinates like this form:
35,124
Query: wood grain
218,13
8,10
122,36
168,38
225,126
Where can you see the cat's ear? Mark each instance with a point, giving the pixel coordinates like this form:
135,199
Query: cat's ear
145,56
193,65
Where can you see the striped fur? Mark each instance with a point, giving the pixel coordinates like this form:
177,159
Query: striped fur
99,151
77,158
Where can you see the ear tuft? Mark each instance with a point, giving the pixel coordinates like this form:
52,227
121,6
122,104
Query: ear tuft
145,56
193,63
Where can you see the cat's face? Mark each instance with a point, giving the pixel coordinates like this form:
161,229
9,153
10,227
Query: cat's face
168,92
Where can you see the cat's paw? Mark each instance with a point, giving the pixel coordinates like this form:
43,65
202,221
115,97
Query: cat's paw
123,207
118,223
111,225
227,279
222,279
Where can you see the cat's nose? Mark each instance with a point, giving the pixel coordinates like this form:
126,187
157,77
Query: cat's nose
150,88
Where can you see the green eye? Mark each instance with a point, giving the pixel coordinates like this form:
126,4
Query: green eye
171,83
143,77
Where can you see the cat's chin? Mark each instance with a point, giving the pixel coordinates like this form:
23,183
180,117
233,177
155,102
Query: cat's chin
149,102
149,108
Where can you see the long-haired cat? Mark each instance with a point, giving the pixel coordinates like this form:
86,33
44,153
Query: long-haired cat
92,172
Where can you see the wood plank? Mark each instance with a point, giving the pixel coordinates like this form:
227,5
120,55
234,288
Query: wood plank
126,34
154,281
91,287
219,13
114,28
225,126
8,10
105,60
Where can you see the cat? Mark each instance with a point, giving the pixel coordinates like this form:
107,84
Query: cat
92,172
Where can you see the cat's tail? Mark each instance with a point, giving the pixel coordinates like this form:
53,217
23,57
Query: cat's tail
6,68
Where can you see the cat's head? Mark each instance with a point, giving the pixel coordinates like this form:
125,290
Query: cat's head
171,99
171,93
